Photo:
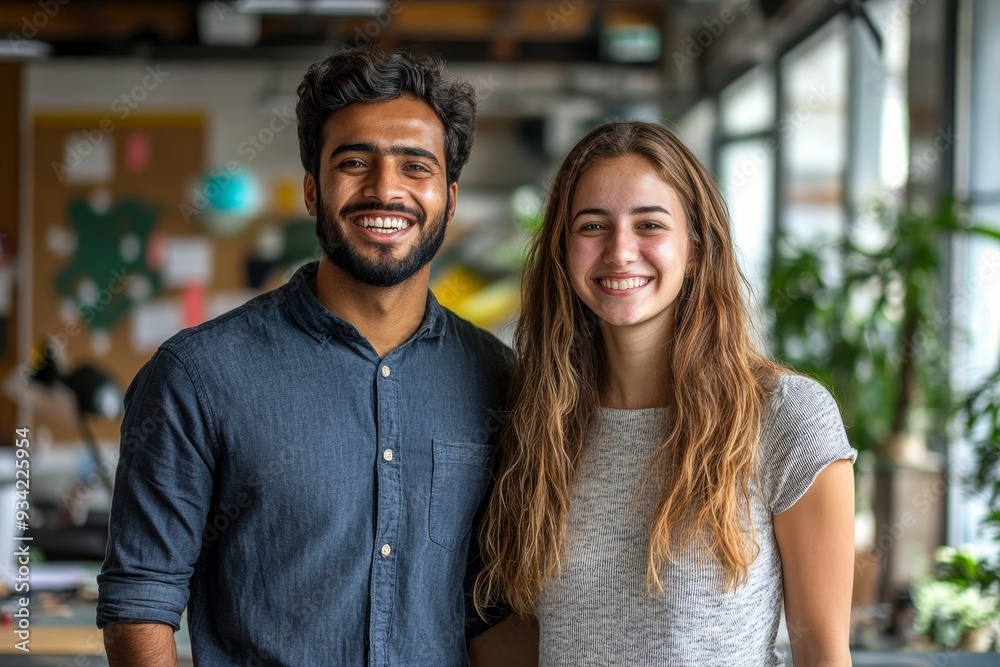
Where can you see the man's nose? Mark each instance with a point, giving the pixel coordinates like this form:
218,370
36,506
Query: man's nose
383,184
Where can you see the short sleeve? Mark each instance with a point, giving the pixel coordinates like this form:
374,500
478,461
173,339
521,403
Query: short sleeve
163,490
802,434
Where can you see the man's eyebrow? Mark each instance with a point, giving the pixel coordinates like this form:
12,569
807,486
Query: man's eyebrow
392,150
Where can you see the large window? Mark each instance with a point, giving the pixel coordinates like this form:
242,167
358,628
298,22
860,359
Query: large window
697,127
813,130
975,294
878,161
745,169
811,147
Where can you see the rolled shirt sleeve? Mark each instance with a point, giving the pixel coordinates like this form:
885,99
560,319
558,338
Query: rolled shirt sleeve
163,491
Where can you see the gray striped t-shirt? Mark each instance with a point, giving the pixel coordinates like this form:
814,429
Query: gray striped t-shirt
597,613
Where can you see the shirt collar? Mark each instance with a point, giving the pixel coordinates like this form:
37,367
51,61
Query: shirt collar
322,324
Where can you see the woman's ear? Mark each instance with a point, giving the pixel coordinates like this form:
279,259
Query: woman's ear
694,257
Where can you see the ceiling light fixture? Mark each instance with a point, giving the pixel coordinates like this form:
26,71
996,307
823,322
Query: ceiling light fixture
319,7
16,48
347,7
271,6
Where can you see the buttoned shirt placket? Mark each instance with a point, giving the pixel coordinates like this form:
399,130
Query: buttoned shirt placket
388,456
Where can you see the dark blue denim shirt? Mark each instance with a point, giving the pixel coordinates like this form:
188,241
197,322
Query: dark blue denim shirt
310,503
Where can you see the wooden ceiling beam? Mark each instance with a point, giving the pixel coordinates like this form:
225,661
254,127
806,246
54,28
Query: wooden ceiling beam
96,21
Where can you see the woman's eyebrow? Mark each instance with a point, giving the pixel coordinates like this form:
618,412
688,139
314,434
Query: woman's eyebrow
637,210
592,211
640,210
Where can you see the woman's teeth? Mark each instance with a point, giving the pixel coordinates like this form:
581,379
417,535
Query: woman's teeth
384,225
624,284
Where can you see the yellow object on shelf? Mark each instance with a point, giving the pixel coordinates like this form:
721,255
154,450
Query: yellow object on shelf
485,304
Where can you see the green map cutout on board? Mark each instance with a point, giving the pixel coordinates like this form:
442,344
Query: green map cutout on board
112,252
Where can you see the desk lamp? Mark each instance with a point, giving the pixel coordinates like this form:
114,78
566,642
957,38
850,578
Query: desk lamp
95,393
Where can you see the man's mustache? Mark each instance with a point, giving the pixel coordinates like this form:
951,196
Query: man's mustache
351,209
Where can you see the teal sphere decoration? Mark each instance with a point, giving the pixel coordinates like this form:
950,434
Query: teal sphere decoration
228,200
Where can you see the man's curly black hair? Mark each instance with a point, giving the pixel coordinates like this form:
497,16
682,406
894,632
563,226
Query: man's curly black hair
369,74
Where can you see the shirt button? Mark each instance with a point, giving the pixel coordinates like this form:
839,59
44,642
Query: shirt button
385,550
387,455
385,371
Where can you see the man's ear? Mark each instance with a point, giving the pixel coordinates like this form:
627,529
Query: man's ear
309,193
453,191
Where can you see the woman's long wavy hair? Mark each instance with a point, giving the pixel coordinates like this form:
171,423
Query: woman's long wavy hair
716,392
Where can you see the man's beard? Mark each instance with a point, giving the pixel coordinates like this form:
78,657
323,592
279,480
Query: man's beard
384,271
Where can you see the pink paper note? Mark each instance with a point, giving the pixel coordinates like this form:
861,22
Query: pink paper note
137,151
192,305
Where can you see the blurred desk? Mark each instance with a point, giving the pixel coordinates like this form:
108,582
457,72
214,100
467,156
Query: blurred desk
59,641
72,641
65,634
32,660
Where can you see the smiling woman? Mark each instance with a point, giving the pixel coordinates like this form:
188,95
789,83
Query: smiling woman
663,486
627,254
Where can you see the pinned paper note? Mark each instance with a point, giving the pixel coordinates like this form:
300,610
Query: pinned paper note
153,323
192,305
187,260
138,147
88,157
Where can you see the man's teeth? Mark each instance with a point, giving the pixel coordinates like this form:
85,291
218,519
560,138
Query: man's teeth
627,283
385,225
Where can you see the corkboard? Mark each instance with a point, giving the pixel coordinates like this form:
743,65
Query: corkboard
176,158
11,75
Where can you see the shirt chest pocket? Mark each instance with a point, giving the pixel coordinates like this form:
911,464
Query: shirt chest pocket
459,479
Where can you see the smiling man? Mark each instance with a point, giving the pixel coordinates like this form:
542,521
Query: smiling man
303,473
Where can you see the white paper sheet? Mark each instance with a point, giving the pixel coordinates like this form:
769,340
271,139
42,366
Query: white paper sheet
187,261
88,157
153,323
